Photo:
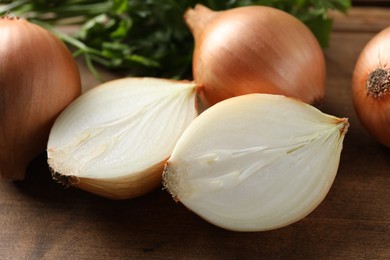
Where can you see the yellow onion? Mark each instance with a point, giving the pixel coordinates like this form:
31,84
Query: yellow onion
256,162
38,79
254,49
371,85
114,139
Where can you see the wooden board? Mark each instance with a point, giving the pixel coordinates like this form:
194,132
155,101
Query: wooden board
40,219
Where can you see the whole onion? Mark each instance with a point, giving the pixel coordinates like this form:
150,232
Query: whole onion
254,49
371,85
38,79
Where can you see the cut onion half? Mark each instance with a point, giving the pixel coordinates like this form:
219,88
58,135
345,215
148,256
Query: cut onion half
115,139
256,162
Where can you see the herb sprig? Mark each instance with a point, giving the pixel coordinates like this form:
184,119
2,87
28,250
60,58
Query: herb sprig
148,37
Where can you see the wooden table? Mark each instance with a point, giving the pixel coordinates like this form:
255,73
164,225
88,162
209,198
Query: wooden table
40,219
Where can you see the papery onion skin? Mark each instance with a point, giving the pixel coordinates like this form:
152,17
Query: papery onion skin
254,49
38,79
371,87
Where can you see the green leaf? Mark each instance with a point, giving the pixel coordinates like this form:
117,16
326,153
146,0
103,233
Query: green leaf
341,5
123,28
321,28
120,6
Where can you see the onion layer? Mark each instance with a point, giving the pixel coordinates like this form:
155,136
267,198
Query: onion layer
38,79
371,87
254,49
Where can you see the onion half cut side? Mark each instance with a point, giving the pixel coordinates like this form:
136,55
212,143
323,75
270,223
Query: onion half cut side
115,139
256,162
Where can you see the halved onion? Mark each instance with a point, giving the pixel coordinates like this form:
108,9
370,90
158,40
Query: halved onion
256,162
114,140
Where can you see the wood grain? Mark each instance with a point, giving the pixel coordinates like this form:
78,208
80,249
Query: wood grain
361,20
40,219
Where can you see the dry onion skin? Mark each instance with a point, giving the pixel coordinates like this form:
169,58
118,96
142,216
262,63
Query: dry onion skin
114,140
38,79
371,87
256,162
254,49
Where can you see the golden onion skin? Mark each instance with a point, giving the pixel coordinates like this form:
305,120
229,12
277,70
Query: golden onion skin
38,79
371,85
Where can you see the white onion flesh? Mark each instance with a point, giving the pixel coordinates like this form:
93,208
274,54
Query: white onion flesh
256,162
120,133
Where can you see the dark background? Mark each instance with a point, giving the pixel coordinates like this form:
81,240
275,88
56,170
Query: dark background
371,3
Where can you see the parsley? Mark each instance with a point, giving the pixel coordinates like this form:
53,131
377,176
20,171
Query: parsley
149,37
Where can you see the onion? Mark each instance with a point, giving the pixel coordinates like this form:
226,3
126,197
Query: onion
254,49
38,79
371,87
256,162
114,139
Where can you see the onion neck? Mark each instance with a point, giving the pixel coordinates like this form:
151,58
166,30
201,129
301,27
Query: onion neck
378,82
197,18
